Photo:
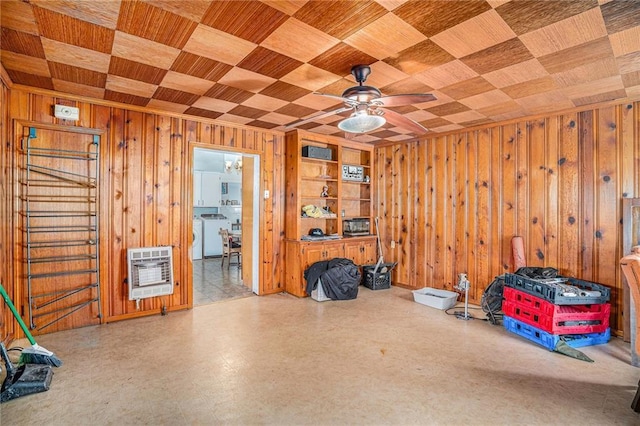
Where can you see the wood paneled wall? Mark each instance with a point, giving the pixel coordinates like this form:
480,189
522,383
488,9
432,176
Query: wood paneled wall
145,184
7,324
452,203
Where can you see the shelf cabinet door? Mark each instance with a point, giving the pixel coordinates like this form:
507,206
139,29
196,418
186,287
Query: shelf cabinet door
333,250
369,252
353,252
361,252
211,189
312,253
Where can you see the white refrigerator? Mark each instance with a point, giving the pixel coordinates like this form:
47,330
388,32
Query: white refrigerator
212,239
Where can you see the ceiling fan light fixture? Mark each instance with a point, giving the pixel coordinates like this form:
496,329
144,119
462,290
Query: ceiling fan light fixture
361,123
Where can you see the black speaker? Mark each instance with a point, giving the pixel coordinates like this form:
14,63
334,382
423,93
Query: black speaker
317,152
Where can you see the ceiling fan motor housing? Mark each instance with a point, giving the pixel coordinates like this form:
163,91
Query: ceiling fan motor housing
361,93
360,73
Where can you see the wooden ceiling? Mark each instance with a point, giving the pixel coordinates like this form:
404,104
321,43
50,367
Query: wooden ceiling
258,62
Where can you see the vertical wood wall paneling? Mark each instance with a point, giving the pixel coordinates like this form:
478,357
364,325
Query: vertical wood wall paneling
587,167
557,182
7,324
181,233
507,190
413,207
537,188
100,118
522,190
495,207
570,238
387,206
114,255
451,269
552,129
484,214
628,156
440,222
471,226
460,204
607,194
269,259
144,173
419,219
402,213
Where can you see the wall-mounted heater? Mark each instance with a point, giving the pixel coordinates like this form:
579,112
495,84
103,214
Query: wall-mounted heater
150,272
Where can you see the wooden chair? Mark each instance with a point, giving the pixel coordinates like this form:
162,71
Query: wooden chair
229,248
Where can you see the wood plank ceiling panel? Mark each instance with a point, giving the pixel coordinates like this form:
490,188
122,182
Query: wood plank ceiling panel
548,56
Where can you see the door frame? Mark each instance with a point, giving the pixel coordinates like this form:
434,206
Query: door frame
256,273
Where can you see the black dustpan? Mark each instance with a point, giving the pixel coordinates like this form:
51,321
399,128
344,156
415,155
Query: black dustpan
24,380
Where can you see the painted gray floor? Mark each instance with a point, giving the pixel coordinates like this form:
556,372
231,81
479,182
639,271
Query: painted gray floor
380,359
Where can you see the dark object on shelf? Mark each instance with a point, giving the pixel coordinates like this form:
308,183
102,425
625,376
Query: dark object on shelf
317,152
378,277
316,232
355,227
24,380
339,278
354,173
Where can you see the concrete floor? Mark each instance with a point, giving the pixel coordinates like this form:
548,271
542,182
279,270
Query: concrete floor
378,359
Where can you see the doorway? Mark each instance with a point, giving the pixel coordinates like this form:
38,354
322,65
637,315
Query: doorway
225,197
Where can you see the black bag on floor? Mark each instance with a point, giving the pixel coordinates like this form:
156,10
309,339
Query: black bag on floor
491,301
340,278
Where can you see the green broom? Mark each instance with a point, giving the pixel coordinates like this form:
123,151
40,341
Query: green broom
35,354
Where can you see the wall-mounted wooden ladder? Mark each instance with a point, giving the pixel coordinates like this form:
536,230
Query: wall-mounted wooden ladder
60,206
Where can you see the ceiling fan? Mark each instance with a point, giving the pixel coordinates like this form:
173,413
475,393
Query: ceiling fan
367,104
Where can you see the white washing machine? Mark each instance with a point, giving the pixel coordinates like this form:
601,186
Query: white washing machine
197,239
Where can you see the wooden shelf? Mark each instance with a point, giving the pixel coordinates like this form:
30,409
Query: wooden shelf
304,179
321,217
317,197
317,160
321,179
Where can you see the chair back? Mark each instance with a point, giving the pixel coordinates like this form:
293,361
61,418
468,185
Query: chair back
227,242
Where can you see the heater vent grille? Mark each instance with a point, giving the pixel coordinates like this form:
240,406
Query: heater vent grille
150,272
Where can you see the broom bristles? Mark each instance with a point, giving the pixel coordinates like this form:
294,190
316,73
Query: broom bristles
38,355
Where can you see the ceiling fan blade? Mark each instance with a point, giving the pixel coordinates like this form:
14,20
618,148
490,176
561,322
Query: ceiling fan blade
337,98
401,100
404,122
317,117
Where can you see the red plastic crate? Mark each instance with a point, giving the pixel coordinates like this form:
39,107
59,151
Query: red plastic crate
555,319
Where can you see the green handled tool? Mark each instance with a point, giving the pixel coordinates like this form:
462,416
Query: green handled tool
36,354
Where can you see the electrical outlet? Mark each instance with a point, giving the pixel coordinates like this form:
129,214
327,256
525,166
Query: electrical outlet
393,244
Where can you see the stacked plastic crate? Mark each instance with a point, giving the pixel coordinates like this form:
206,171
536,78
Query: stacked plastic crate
546,311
